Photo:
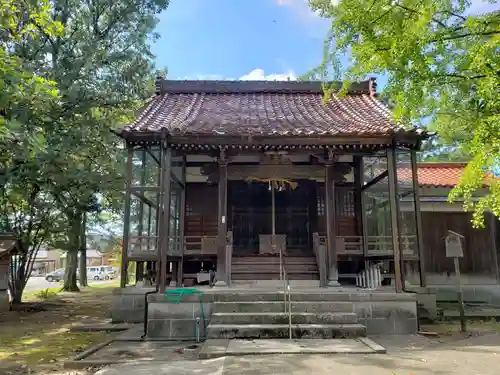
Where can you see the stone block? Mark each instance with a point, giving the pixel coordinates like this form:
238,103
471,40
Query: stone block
139,301
170,311
184,329
383,296
187,298
405,326
428,303
320,307
158,328
315,331
397,310
363,309
378,326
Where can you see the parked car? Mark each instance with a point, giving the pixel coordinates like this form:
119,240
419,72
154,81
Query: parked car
95,273
100,273
56,275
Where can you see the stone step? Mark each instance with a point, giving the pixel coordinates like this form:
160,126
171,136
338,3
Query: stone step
282,318
279,307
324,294
307,275
306,331
274,260
264,268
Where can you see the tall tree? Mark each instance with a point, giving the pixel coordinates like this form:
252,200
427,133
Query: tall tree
100,65
103,67
442,63
26,100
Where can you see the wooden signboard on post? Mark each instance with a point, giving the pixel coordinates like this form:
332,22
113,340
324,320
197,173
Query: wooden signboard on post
454,249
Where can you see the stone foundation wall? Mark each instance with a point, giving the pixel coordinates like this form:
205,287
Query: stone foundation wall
129,305
386,313
177,321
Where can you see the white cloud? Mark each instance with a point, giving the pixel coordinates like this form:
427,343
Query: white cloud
309,19
255,75
259,75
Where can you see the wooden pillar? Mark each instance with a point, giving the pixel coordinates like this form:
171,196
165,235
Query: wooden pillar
331,232
393,201
222,277
182,224
141,201
164,233
126,220
361,207
418,219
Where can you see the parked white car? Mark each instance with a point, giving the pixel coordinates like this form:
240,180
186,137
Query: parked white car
100,273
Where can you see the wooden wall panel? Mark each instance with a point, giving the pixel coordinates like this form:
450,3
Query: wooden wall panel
478,252
201,210
345,210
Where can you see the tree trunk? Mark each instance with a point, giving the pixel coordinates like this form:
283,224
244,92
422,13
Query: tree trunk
83,253
70,284
17,283
75,222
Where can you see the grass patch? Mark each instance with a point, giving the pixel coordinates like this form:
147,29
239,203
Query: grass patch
45,346
41,338
37,295
45,294
111,285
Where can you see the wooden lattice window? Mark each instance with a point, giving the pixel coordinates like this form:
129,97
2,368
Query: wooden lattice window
345,202
320,201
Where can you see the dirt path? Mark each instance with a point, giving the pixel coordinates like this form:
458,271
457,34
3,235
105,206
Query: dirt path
37,339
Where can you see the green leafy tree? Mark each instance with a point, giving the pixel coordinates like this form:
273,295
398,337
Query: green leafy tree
100,66
442,63
103,67
26,100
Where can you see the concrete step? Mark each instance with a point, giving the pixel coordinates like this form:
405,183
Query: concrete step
282,318
276,285
274,260
305,295
252,275
306,331
279,307
264,268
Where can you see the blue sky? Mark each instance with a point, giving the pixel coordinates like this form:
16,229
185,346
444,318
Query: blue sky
245,39
213,39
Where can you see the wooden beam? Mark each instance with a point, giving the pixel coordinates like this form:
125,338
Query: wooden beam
126,220
361,207
153,156
143,200
222,277
286,171
377,179
330,223
393,201
165,222
418,220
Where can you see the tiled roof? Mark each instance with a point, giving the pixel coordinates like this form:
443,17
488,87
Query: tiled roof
261,108
440,174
